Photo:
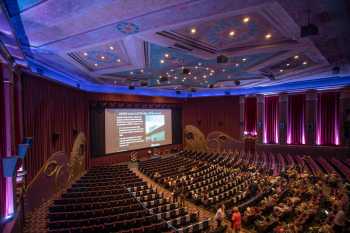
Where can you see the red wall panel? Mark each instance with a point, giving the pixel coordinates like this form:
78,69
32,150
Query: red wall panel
213,113
50,108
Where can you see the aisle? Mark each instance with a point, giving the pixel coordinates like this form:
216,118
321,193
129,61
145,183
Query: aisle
192,208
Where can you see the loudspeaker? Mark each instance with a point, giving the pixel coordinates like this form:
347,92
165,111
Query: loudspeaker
185,71
9,166
178,92
221,59
131,87
54,138
28,140
143,83
163,79
75,132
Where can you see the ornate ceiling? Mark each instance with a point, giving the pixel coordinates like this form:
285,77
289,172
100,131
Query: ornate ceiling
174,44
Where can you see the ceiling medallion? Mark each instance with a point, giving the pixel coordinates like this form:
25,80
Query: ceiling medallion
128,28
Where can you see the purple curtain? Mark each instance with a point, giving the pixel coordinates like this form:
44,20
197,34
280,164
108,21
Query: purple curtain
250,116
327,126
2,148
271,112
296,119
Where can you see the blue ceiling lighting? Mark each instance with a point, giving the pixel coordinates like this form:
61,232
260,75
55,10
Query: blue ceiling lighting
177,48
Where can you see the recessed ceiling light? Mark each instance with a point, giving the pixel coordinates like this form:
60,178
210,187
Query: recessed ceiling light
131,72
166,55
305,63
281,70
118,60
287,64
223,70
102,57
161,61
175,77
85,54
237,64
228,76
195,77
95,64
231,33
207,68
193,30
268,36
244,59
141,70
296,57
111,47
199,63
204,76
246,19
212,71
196,67
210,74
172,70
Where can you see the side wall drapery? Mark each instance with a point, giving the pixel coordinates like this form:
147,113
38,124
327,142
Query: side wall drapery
250,116
271,119
2,148
327,122
52,115
213,114
296,119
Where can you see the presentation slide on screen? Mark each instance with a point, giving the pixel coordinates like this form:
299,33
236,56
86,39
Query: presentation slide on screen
131,129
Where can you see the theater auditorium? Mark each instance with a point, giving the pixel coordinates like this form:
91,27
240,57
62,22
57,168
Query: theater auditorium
174,116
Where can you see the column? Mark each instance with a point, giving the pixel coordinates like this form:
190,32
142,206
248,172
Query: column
310,117
344,117
260,117
7,140
283,111
241,117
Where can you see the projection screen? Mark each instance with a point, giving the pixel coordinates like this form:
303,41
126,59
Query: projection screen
132,129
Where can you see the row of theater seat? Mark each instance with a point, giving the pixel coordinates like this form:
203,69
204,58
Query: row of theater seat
95,206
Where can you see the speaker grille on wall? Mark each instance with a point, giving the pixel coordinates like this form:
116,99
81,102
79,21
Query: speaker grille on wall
54,138
222,59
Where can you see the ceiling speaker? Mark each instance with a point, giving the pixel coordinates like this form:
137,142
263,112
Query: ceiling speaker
163,79
143,83
185,71
237,82
309,30
178,92
211,85
222,59
131,87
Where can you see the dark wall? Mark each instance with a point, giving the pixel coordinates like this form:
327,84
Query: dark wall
213,113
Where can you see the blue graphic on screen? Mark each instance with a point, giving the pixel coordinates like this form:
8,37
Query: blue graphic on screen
155,128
